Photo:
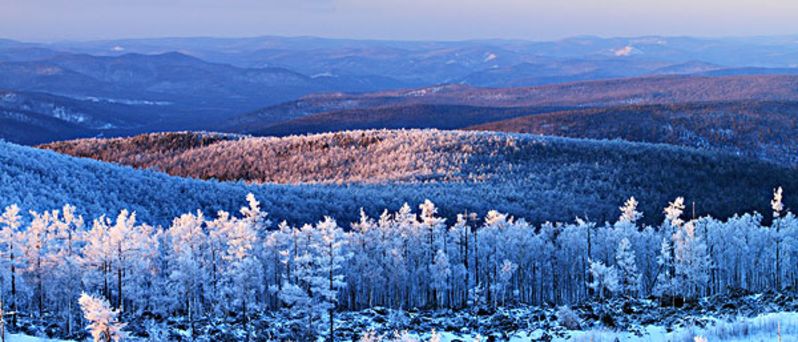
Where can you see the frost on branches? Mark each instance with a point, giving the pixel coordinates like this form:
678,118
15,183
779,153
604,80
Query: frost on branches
236,267
103,322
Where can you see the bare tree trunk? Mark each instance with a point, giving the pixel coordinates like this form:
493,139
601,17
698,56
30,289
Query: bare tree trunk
13,291
332,307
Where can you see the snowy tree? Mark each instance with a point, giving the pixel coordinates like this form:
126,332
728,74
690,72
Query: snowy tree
132,249
10,237
242,272
664,285
605,279
625,259
186,270
34,251
673,212
629,211
441,272
778,206
432,226
62,261
104,324
506,272
692,261
329,256
97,257
234,266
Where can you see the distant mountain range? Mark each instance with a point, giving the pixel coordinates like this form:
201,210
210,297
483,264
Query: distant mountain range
268,85
372,109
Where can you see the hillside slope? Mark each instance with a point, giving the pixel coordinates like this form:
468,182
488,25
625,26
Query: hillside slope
766,130
539,178
411,116
643,90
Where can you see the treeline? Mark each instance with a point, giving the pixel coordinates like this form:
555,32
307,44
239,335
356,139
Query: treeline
241,265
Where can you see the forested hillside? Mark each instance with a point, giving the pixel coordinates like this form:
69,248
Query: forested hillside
604,93
396,117
760,129
537,178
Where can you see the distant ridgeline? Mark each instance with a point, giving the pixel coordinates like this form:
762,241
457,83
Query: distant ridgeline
306,177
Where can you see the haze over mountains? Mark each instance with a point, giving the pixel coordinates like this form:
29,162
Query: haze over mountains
262,85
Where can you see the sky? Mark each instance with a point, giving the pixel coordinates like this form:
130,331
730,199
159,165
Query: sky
52,20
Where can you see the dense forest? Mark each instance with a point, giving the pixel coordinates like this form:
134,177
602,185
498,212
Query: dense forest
537,178
759,129
237,266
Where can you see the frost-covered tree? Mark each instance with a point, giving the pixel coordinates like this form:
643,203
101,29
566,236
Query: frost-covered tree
506,272
63,263
34,252
605,278
231,265
186,260
441,273
104,324
11,238
692,261
629,211
132,249
629,278
329,253
665,281
778,206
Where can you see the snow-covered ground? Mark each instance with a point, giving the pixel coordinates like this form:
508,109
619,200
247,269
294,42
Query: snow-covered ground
766,327
27,338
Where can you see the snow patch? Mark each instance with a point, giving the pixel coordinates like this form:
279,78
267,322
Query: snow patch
323,74
28,338
124,101
489,57
625,51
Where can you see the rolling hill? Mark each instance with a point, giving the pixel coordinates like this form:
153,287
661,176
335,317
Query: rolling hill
35,118
394,117
760,129
645,90
538,178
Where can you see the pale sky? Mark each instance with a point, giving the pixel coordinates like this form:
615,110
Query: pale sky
49,20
